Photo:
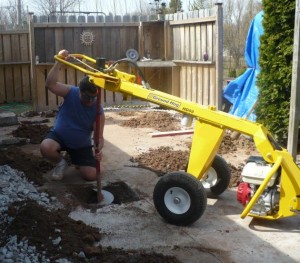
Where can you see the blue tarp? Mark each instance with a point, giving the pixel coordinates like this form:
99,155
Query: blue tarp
242,92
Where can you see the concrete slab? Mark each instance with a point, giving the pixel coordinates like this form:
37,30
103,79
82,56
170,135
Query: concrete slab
220,235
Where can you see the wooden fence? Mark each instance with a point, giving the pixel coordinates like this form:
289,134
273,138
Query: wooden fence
185,51
15,66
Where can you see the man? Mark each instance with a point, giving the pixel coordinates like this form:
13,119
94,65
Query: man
74,125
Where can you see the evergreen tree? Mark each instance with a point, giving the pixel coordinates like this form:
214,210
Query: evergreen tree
276,55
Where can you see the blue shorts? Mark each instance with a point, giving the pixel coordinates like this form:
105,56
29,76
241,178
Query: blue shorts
82,156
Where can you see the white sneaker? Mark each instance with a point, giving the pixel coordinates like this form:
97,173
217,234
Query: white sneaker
58,172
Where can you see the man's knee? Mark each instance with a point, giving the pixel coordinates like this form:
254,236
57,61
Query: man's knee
48,147
88,173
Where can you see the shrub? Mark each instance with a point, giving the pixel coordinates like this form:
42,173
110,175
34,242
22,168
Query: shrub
276,55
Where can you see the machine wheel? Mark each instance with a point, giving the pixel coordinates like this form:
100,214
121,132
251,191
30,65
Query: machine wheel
217,178
179,198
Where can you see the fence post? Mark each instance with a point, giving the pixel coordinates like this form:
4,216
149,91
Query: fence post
219,58
32,62
295,93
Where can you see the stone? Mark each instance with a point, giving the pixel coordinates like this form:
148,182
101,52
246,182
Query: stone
8,118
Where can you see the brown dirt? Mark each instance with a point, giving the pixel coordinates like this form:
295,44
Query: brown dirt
36,224
158,120
34,133
31,165
41,227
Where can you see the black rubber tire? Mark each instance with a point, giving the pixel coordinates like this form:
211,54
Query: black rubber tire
188,184
223,175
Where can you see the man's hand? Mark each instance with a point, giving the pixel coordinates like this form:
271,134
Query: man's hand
63,54
98,154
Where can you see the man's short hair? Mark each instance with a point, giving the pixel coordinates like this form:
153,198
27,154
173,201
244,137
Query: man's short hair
87,87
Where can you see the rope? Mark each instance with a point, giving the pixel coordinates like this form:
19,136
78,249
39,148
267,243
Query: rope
87,65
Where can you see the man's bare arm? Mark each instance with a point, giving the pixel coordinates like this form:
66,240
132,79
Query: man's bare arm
52,84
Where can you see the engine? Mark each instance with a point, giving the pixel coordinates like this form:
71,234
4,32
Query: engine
253,175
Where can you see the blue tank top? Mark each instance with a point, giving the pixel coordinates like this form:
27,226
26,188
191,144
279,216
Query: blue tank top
74,121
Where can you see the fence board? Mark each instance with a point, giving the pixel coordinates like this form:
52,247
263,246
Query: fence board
71,78
17,83
115,38
175,81
26,83
214,44
15,47
106,48
79,76
203,40
49,44
40,51
189,81
114,48
183,82
1,49
59,39
7,48
186,47
108,98
176,46
2,85
78,47
9,80
198,54
181,41
52,99
97,47
124,38
209,42
194,86
41,89
206,97
212,86
68,42
24,47
192,43
200,85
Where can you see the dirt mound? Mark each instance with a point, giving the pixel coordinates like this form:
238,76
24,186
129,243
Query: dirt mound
35,133
158,120
163,160
31,165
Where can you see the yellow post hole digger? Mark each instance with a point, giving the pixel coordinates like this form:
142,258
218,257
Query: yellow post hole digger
270,186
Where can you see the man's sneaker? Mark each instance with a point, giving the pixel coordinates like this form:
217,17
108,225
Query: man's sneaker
58,172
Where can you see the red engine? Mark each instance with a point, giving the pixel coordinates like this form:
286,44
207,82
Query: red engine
243,193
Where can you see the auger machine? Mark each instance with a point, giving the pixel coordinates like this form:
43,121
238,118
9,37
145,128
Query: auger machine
271,181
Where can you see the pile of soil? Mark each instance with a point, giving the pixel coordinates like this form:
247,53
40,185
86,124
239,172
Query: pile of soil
31,165
37,224
162,160
158,120
34,133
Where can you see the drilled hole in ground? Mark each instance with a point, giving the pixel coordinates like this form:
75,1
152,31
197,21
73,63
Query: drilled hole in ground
120,190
